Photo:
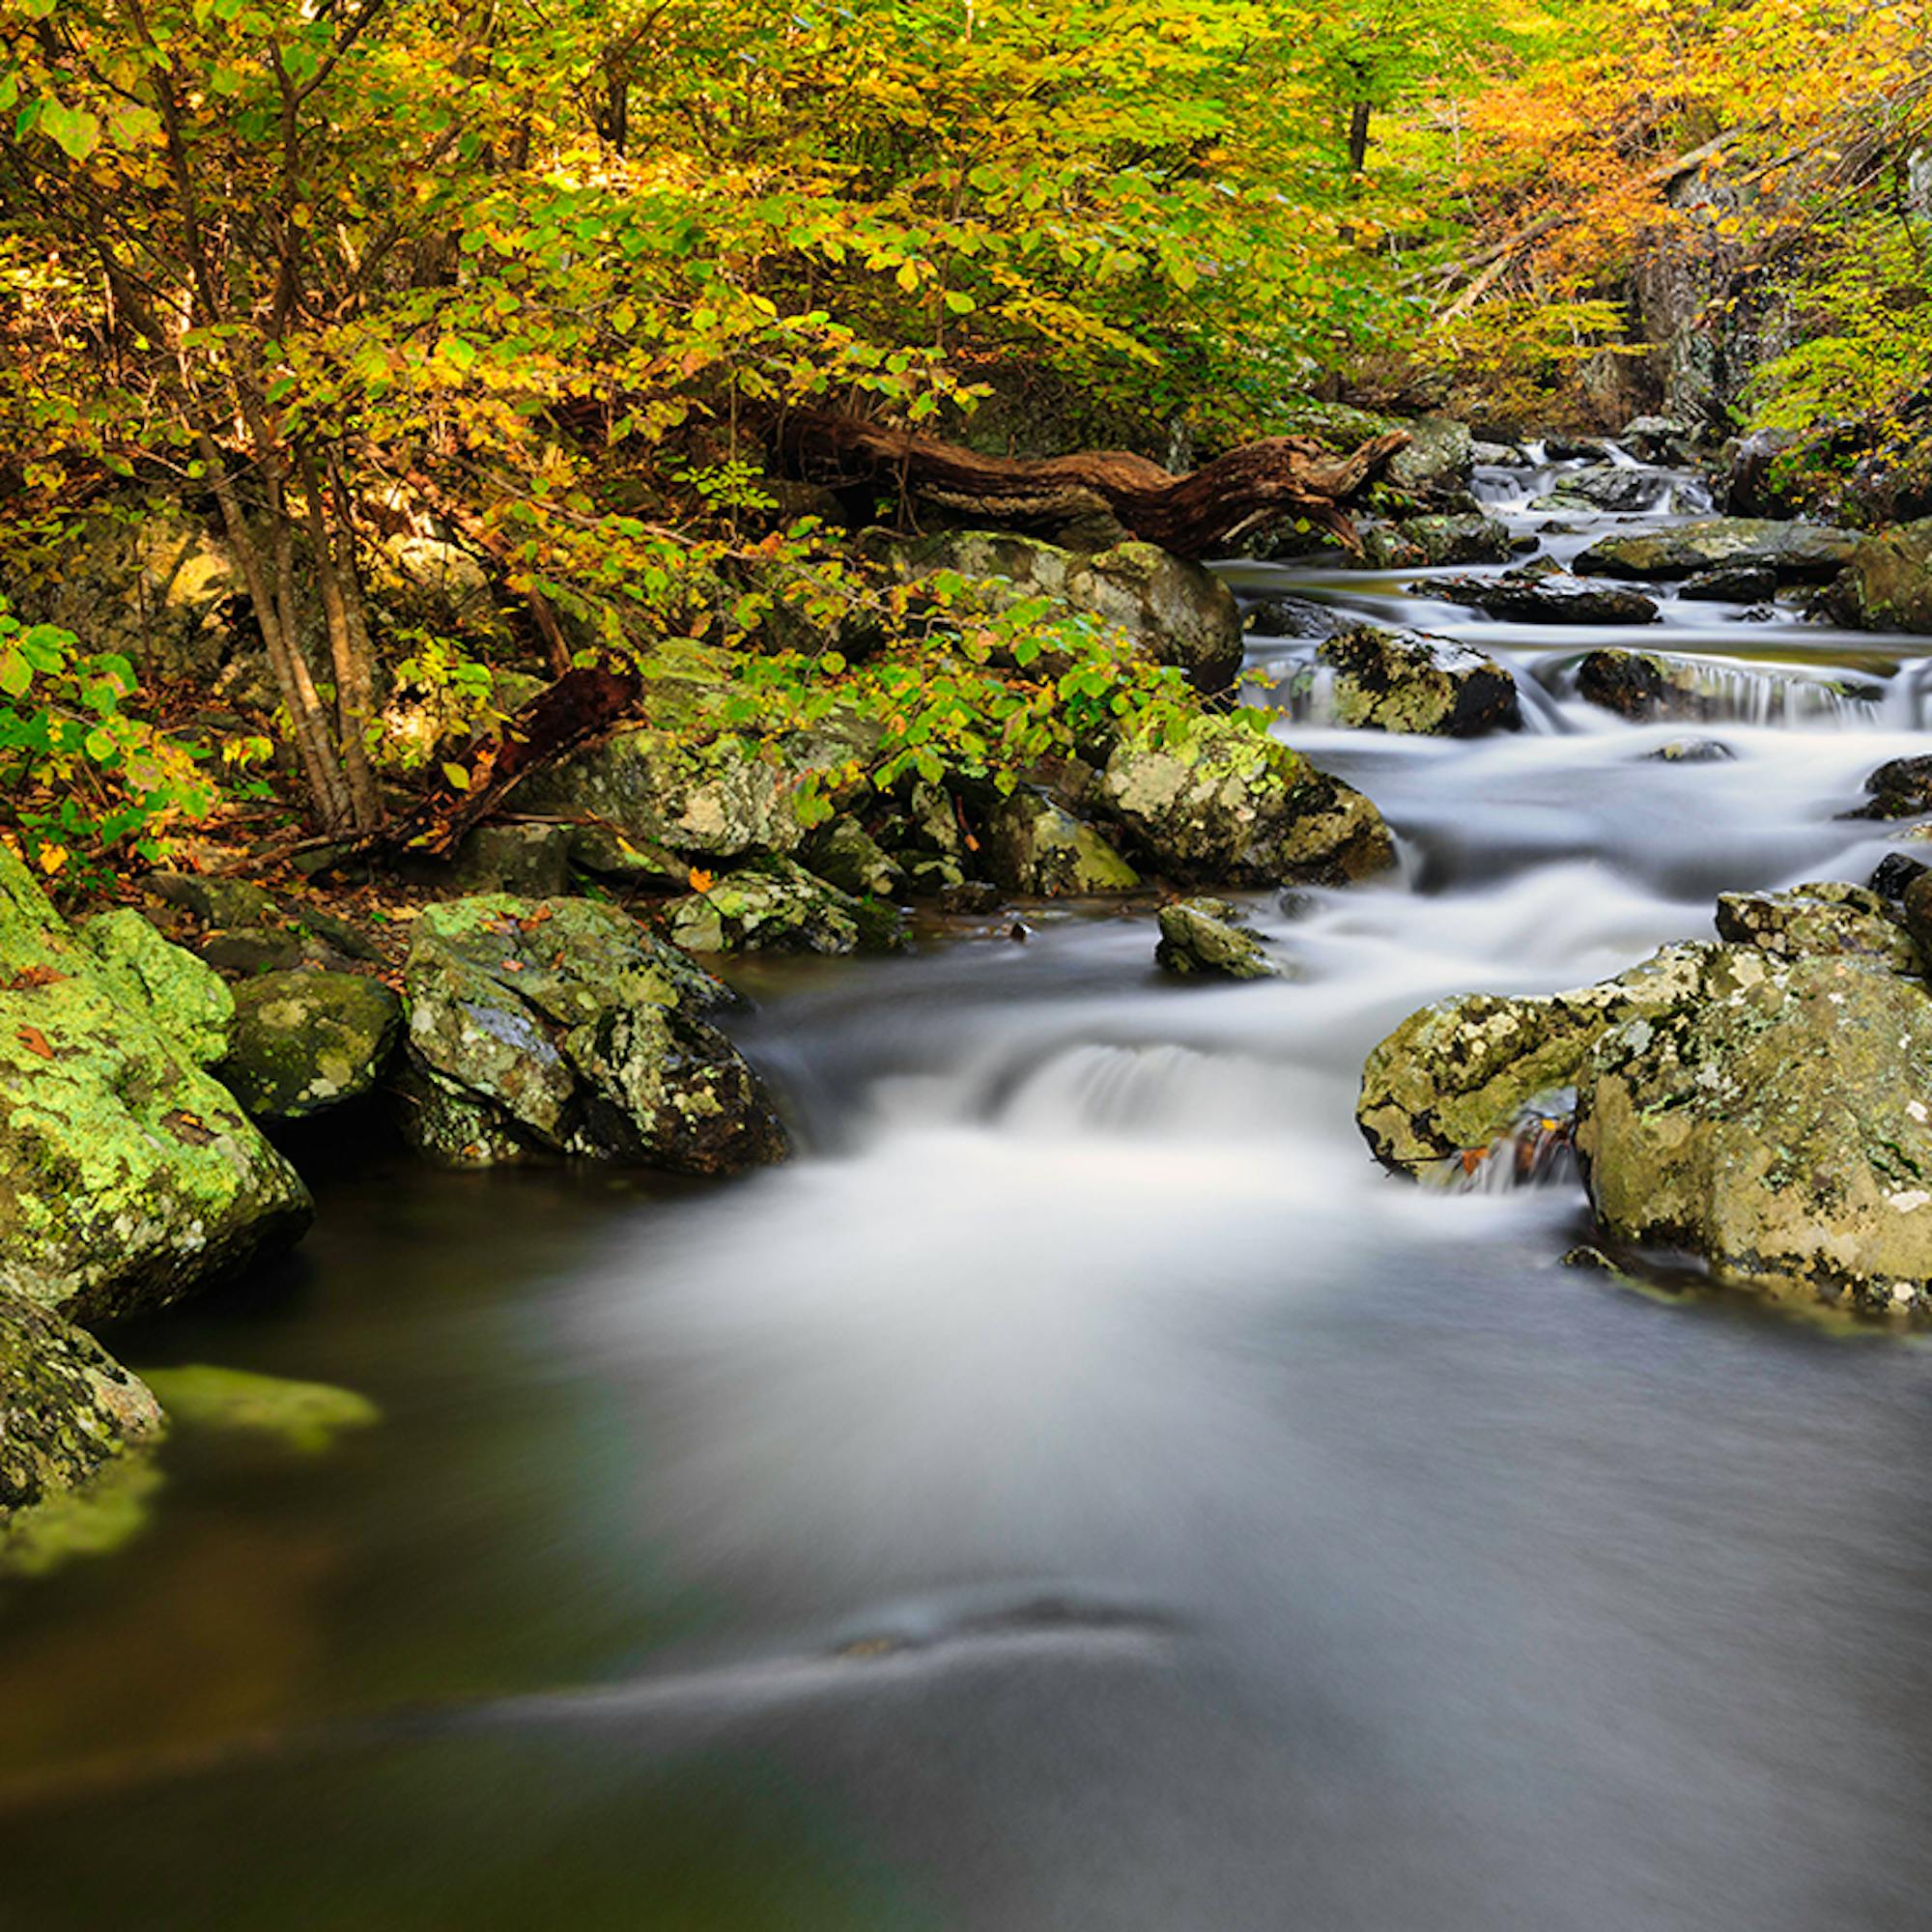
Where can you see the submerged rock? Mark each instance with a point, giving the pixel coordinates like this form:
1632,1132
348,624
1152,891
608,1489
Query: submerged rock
1215,801
306,1416
775,905
1781,1132
1209,938
304,1042
128,1177
1543,598
1405,681
557,1026
1826,919
1798,553
1887,584
67,1409
1035,846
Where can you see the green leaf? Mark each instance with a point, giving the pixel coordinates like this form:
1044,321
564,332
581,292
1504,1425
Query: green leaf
458,777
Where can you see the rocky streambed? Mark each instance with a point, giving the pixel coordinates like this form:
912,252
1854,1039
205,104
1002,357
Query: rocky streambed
1078,1486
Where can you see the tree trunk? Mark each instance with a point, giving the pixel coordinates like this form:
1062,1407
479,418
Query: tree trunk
1270,481
348,647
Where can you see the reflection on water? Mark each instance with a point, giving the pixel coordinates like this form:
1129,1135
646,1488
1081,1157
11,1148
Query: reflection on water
1081,1492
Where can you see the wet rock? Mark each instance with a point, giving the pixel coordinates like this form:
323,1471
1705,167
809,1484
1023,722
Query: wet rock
1692,752
1798,553
304,1042
1606,486
531,859
67,1410
1439,457
1659,439
1173,611
1893,873
775,905
970,896
1543,598
1731,583
1646,684
1819,920
1208,937
1781,1132
1454,1079
1418,541
1035,846
304,1416
1560,448
559,1027
1403,681
1915,911
845,854
1887,584
128,1177
1215,801
1294,617
1899,789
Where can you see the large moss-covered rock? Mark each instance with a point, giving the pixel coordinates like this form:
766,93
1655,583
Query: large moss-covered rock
1455,1077
1209,938
66,1408
1816,919
1468,536
775,905
1035,846
1781,1131
304,1042
1886,583
1799,553
1439,457
846,855
1403,681
186,1000
1172,611
557,1026
1214,801
128,1177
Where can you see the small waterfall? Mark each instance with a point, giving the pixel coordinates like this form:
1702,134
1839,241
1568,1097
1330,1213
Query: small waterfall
1719,691
1539,1151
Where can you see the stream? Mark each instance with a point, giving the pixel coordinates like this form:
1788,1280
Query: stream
1082,1490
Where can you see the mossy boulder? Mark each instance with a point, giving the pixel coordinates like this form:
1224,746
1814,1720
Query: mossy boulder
128,1177
1468,536
559,1027
1780,1131
186,1000
1209,938
1602,486
1172,611
845,854
775,905
1035,846
1403,681
304,1042
1439,457
1798,553
1455,1077
305,1417
1211,800
1818,920
1886,583
67,1409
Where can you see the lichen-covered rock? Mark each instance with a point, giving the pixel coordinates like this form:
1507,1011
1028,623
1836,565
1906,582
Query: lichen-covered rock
1209,938
304,1042
305,1417
1692,752
1603,486
1215,802
1439,456
848,855
1827,917
1173,611
1462,537
1799,553
1403,681
1659,439
775,905
66,1408
1780,1131
1455,1078
1543,598
188,1000
557,1026
1886,583
1035,847
128,1177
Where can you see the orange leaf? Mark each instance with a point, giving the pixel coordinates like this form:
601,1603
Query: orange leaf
35,1042
700,881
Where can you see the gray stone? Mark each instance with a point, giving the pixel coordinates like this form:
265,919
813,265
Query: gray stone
304,1042
1209,938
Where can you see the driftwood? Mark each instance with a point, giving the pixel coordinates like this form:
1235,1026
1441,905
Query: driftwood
1260,482
580,705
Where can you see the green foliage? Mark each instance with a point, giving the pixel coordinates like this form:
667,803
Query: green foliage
86,780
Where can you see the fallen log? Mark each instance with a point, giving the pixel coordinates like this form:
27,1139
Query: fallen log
1270,481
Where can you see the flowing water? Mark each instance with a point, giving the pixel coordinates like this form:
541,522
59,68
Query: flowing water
1081,1492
